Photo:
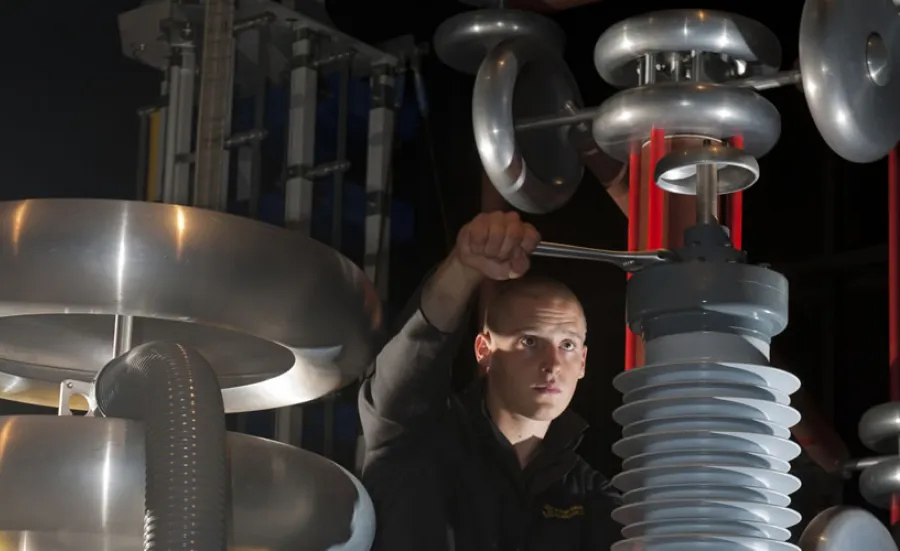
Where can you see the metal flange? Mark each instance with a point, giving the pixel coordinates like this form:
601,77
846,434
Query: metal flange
539,170
626,120
619,50
677,171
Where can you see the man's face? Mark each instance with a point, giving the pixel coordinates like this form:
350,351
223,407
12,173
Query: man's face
534,355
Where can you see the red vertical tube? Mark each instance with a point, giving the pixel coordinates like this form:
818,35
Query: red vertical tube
894,293
736,206
655,199
634,231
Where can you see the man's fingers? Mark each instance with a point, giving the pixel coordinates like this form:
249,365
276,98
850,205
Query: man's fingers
478,234
462,241
511,241
519,264
530,239
496,234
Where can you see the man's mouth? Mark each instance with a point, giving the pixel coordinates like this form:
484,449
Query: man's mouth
546,388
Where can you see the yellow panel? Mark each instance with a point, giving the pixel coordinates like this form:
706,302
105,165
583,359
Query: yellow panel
153,155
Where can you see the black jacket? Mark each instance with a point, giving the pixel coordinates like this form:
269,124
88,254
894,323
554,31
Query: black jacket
443,478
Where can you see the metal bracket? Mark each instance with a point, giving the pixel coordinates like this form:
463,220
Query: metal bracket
69,388
318,171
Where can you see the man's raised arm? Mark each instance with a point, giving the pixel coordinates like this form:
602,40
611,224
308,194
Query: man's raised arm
410,384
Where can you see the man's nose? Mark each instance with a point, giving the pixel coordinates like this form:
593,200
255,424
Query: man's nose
551,361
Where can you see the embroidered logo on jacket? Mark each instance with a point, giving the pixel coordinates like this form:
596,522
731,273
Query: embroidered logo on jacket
568,513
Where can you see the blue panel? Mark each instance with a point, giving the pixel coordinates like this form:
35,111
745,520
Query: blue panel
271,210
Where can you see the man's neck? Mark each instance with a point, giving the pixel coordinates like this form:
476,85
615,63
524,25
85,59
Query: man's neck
524,434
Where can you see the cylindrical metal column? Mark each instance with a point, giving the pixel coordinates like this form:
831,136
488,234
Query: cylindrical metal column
179,125
678,211
894,294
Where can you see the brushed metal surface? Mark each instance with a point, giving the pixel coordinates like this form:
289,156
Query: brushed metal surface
282,319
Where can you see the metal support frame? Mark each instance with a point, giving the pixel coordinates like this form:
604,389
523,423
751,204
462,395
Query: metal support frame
214,120
249,159
140,188
179,124
311,47
298,189
378,178
157,154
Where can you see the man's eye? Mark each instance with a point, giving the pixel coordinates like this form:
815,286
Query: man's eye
527,341
568,346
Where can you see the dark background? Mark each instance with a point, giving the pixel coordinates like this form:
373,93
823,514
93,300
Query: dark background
69,129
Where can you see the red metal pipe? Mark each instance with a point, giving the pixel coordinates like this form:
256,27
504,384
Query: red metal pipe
655,193
736,206
634,234
894,293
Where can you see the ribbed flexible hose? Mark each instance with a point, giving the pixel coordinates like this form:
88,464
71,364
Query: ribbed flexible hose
174,392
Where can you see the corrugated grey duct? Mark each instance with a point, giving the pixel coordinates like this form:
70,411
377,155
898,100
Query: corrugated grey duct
175,393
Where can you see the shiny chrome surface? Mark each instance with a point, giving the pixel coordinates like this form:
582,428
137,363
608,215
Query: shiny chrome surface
624,121
849,56
879,428
77,483
464,40
619,49
768,82
878,483
677,171
843,528
536,171
281,318
624,260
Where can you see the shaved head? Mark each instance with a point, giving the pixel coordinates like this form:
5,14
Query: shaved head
506,293
532,348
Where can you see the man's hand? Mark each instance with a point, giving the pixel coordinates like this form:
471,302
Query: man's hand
497,245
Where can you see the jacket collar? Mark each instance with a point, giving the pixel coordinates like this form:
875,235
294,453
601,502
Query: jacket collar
565,433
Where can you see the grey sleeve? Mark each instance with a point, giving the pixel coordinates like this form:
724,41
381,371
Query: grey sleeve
409,387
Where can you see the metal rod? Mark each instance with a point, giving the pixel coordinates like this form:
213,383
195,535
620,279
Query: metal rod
539,123
123,329
784,78
707,194
856,465
628,261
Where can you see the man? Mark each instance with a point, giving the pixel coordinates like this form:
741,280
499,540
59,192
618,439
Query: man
493,468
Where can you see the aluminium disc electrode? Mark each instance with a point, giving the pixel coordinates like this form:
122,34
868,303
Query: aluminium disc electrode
281,318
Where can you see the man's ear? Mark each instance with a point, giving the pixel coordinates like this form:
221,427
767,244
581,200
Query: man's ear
583,362
483,351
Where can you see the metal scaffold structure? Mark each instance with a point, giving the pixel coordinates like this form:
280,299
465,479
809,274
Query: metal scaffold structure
248,48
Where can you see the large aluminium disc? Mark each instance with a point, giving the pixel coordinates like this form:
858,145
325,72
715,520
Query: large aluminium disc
77,483
850,64
281,318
